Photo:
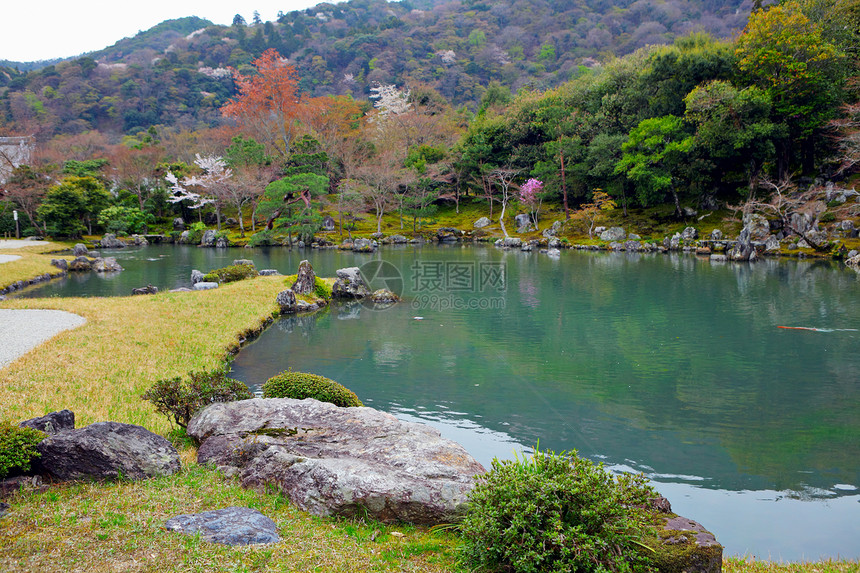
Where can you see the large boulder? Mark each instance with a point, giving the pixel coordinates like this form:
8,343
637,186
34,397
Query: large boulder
685,545
286,300
689,234
106,265
613,234
61,264
524,223
80,250
109,241
338,461
196,276
758,226
52,423
107,450
509,243
328,223
208,239
481,223
363,245
148,289
81,264
305,279
349,284
139,240
742,249
228,526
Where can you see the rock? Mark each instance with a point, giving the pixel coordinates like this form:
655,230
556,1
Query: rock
800,222
717,258
286,300
599,230
384,296
509,243
716,235
349,284
148,289
4,508
398,239
743,249
305,279
61,264
338,461
523,222
328,223
688,212
448,235
853,262
554,243
139,240
184,236
269,273
196,277
846,225
15,484
52,423
687,546
526,247
178,224
107,450
689,234
228,526
202,285
377,236
180,289
222,243
106,265
80,264
632,246
109,241
363,245
80,250
553,253
248,262
481,223
633,237
613,234
771,244
553,230
675,242
758,226
208,239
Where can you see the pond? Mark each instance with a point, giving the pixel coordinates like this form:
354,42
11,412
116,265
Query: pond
666,364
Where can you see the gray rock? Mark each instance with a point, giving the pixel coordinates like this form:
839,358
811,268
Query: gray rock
248,262
349,284
800,222
771,244
675,242
613,234
852,253
716,235
204,286
184,236
269,273
743,249
107,450
228,526
758,226
61,264
286,300
553,253
106,265
377,235
554,243
509,243
384,296
846,225
553,230
80,264
599,230
80,250
526,247
448,235
363,245
704,554
688,212
523,222
109,241
305,279
689,234
632,246
717,258
139,240
222,243
208,239
633,237
178,224
148,289
196,277
338,461
481,223
52,423
328,223
398,239
180,289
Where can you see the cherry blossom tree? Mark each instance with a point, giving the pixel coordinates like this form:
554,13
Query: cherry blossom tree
530,195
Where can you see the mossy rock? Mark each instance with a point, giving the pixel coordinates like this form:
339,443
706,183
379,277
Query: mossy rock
682,545
230,274
300,385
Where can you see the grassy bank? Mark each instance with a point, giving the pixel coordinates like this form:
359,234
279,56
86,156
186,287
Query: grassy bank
34,262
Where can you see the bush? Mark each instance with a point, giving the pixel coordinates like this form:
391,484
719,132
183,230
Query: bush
299,385
321,289
195,233
264,238
827,217
179,400
231,274
17,447
556,512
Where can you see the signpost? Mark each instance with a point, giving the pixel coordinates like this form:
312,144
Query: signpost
17,228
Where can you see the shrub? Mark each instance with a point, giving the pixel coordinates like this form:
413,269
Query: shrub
231,274
556,512
17,447
299,385
827,217
264,238
321,289
195,233
179,400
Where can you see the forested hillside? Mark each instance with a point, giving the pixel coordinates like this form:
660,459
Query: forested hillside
176,74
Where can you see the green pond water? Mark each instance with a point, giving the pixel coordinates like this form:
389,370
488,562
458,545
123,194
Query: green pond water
665,364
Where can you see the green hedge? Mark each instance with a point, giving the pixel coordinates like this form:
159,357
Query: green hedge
17,447
300,385
231,274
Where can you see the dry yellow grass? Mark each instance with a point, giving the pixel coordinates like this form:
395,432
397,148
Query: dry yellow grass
33,262
100,369
750,565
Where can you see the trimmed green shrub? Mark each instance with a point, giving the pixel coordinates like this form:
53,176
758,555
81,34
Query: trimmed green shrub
195,233
321,289
556,512
17,447
300,385
264,238
179,400
231,274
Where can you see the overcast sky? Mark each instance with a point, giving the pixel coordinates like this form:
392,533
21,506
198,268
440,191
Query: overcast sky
41,30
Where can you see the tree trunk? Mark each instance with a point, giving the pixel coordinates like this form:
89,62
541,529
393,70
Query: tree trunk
241,222
563,186
502,218
675,198
807,147
218,216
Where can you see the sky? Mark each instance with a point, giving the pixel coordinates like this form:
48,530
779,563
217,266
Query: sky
61,28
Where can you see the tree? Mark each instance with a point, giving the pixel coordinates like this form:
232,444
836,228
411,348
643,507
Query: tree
70,207
504,177
252,171
652,157
287,204
531,195
26,189
213,181
600,202
268,103
134,169
787,55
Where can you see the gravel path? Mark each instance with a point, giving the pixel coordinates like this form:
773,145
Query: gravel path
24,330
8,258
18,243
